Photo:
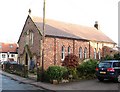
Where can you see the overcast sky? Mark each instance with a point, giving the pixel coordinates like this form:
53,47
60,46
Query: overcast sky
13,14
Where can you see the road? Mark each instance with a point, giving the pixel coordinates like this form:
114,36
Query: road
93,85
12,85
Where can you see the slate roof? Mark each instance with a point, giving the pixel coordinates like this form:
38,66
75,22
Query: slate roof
61,29
5,47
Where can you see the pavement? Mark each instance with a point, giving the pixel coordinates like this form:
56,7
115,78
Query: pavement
46,86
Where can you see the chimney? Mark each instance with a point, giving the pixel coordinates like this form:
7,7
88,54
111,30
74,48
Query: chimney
96,25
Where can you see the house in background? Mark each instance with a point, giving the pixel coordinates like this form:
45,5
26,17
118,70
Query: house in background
8,51
61,39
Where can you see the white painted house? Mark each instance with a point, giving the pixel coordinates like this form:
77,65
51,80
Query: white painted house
8,52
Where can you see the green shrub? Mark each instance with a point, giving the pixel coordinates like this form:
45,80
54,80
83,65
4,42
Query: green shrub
117,56
108,57
56,72
87,69
73,72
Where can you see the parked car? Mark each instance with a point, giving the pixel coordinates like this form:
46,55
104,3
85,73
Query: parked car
109,69
13,62
10,63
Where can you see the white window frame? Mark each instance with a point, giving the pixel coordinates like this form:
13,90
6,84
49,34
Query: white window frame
69,50
3,55
99,54
63,53
85,53
31,38
95,53
80,52
12,55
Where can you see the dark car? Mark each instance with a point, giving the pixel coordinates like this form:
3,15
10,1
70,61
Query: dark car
109,69
9,64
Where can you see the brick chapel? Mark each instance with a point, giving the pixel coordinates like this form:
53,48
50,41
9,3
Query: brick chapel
61,39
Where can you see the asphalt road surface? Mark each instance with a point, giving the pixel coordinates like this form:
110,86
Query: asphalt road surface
9,85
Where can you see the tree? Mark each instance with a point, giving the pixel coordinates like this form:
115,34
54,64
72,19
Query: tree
71,61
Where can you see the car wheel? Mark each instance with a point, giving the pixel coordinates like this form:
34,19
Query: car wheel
100,79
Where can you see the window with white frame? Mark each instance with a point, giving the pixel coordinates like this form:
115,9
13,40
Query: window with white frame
99,55
31,37
85,53
26,34
63,53
68,50
80,52
95,54
3,56
12,55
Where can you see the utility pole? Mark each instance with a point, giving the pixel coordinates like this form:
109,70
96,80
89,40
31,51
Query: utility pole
43,40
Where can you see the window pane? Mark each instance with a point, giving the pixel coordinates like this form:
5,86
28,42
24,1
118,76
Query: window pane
69,50
95,53
85,53
80,52
3,55
12,55
63,53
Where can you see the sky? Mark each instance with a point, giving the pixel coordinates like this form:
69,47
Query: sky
13,14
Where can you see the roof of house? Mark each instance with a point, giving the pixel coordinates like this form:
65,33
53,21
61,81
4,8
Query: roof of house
61,29
8,47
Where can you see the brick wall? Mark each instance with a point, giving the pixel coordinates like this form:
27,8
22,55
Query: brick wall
53,49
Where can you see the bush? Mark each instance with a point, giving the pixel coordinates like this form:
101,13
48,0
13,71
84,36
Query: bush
71,61
87,69
117,56
108,57
73,72
56,72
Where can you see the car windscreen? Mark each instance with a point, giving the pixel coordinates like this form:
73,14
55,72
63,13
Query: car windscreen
105,65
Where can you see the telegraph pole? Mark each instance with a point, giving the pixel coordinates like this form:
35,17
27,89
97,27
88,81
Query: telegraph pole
43,40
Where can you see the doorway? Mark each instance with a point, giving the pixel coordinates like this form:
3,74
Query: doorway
26,59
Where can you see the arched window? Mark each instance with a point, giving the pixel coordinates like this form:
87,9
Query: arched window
85,53
31,37
63,53
68,50
95,54
80,52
